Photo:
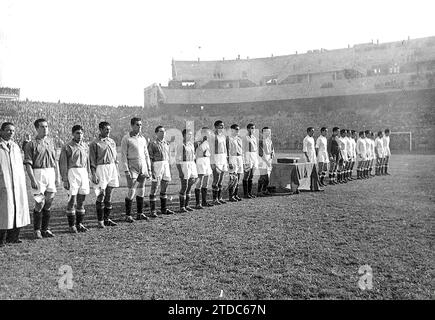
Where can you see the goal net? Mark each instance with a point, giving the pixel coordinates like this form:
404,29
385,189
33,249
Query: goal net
401,141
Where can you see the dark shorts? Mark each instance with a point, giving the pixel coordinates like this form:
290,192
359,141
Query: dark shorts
336,158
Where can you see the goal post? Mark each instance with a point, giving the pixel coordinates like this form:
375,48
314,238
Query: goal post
401,136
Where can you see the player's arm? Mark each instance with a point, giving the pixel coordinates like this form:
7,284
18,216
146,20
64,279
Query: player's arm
329,148
317,147
260,148
28,162
227,144
147,157
88,167
244,148
93,161
32,178
93,157
152,157
63,167
305,149
124,161
178,159
272,155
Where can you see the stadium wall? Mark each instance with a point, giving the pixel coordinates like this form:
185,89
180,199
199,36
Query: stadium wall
367,85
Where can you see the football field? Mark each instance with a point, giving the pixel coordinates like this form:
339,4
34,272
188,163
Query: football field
304,246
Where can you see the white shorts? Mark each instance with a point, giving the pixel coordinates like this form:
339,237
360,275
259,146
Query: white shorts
387,152
323,157
161,170
107,175
203,166
220,160
188,170
137,167
237,162
78,179
251,160
46,180
344,157
265,165
361,158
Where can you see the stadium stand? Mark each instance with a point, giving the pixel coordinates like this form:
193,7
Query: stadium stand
288,119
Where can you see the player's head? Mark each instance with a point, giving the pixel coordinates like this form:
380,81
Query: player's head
380,134
235,129
367,133
362,134
136,124
104,128
324,131
77,132
335,131
387,132
251,128
347,133
160,132
267,132
310,131
205,132
343,132
187,134
7,130
353,133
41,127
219,126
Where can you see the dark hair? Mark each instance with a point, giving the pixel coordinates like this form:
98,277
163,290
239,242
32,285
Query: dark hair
76,128
235,126
367,132
361,133
379,133
37,122
387,130
335,129
249,126
264,128
309,129
134,120
158,128
103,124
5,124
185,131
323,129
342,131
218,123
352,131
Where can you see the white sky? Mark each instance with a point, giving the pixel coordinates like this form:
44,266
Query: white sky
107,52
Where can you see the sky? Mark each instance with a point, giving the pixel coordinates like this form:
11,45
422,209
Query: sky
107,52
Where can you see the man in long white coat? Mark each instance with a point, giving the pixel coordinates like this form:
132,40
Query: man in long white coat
14,206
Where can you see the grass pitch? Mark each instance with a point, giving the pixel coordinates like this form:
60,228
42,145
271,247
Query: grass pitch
306,246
